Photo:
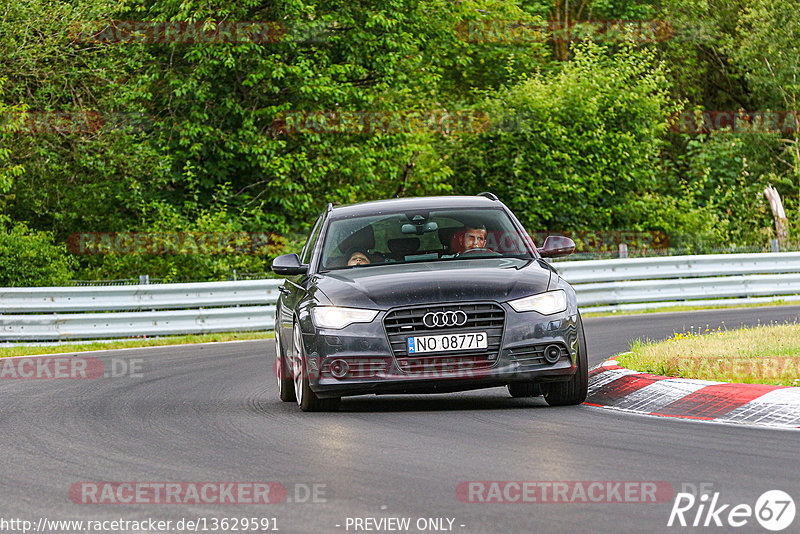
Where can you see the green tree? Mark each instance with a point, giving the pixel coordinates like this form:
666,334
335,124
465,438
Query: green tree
84,166
384,56
769,52
12,118
568,149
31,258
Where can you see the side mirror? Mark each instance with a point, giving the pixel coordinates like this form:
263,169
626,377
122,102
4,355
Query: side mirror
288,265
557,245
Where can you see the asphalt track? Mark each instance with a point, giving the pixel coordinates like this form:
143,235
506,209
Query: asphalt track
210,413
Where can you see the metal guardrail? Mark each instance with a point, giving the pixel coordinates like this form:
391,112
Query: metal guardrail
124,324
642,283
62,313
138,297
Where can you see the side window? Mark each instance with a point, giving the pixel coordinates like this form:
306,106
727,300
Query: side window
305,256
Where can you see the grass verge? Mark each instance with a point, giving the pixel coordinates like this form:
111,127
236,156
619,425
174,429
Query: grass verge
131,343
668,309
758,355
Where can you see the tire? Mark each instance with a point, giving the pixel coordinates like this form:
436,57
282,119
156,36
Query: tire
573,391
283,373
524,389
306,398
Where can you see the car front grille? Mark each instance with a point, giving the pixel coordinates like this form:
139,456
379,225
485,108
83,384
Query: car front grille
481,317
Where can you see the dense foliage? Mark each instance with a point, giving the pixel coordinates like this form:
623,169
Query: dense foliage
30,258
190,135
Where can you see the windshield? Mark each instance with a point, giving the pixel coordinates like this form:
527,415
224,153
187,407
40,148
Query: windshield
415,236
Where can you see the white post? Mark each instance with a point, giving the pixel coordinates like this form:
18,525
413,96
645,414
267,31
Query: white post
781,224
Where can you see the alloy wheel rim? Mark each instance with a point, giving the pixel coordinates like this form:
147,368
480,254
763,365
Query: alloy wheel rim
278,363
297,366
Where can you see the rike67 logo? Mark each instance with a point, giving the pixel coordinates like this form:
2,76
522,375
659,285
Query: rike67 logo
774,510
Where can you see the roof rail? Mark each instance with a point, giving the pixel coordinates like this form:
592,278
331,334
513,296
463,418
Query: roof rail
490,196
330,206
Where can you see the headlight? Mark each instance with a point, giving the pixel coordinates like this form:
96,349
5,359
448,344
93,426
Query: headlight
546,303
335,317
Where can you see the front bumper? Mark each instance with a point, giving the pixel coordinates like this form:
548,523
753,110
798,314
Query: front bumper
374,368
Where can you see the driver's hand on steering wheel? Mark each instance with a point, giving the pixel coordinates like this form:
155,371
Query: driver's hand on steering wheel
478,250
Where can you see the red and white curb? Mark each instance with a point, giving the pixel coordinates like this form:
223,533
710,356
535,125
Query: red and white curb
612,386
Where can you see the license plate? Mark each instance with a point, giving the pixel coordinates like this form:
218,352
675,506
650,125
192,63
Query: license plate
447,342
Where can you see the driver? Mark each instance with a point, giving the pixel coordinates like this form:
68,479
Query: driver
474,237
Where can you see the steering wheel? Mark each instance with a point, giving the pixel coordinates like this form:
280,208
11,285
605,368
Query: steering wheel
481,250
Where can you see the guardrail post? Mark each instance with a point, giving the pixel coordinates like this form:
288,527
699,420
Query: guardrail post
144,279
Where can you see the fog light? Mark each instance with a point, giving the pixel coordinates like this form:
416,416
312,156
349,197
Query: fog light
339,368
552,353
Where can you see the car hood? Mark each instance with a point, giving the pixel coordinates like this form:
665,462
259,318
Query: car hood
387,286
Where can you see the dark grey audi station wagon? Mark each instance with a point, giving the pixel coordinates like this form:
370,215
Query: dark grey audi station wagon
426,295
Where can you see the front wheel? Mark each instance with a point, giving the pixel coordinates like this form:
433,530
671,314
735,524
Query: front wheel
575,389
282,372
306,398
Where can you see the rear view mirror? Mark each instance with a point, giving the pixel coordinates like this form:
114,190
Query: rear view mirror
419,229
288,265
557,245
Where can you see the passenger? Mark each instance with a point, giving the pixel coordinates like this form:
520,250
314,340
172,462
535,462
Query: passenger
358,257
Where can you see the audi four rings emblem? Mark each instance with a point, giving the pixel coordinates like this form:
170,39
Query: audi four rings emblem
447,318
